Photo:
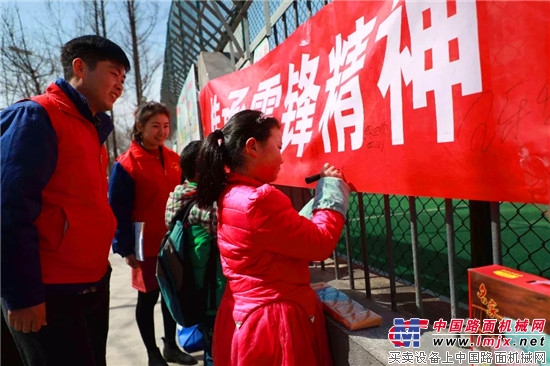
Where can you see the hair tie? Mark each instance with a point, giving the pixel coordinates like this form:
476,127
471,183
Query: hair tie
263,117
218,135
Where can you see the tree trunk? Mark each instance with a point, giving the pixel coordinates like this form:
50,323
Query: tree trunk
131,6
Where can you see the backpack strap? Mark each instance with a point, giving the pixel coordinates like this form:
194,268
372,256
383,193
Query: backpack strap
211,267
211,273
183,213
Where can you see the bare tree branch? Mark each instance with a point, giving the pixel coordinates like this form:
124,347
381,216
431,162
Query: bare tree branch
29,57
27,68
138,31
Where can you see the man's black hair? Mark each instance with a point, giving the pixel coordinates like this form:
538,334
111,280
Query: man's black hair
91,49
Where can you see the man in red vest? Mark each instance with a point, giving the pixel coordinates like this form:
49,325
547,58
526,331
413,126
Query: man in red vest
57,225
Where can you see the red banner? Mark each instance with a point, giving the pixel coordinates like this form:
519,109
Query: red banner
425,98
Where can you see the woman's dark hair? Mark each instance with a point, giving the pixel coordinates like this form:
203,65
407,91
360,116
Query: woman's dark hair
92,49
188,160
144,112
224,148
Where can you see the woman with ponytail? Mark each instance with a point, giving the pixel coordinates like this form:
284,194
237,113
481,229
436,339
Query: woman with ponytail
269,315
139,185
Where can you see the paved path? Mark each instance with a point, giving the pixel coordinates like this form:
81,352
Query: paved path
124,345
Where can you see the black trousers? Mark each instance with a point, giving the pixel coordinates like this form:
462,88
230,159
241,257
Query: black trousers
9,355
76,333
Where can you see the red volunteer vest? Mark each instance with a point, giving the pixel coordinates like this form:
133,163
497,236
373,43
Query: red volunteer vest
76,224
153,184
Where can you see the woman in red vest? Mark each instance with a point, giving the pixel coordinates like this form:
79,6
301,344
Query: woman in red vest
139,185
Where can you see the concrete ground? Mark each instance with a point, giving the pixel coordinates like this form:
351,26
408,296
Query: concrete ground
350,348
124,345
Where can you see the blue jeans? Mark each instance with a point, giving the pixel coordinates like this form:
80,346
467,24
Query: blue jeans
76,333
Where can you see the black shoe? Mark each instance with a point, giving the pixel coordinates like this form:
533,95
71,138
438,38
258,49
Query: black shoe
155,358
172,353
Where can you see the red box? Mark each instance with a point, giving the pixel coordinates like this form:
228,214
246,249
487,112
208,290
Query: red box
497,291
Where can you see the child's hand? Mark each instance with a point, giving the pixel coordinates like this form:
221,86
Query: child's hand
331,171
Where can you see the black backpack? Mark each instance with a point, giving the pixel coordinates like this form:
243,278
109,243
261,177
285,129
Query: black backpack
175,276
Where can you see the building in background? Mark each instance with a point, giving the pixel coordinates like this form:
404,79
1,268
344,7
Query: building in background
230,35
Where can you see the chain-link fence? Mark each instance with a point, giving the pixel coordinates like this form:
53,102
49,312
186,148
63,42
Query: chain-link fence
387,247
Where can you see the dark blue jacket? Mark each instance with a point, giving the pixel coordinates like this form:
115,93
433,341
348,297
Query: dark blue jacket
28,158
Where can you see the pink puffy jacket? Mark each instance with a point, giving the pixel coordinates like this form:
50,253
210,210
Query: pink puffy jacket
269,314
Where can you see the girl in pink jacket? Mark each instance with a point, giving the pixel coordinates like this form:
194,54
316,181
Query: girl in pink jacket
269,315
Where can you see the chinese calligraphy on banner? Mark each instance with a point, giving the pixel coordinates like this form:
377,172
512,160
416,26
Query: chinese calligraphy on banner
433,98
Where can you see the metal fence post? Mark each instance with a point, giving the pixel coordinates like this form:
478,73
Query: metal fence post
389,246
416,264
365,250
348,253
495,233
449,225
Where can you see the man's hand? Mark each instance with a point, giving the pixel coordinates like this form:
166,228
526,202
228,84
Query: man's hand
29,319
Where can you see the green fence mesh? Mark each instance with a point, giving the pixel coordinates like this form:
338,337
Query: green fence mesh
525,237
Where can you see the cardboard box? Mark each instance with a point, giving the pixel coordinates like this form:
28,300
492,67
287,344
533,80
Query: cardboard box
506,294
497,291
